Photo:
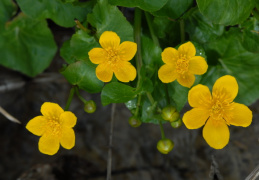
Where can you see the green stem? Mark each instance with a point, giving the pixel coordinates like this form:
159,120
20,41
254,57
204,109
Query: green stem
151,29
167,94
137,38
138,105
182,31
150,98
70,97
80,26
162,130
79,96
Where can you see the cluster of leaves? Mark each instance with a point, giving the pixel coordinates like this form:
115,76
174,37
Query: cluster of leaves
224,32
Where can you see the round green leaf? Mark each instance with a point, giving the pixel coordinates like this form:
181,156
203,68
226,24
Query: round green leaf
200,29
147,5
78,47
116,92
173,8
226,12
82,74
106,17
27,45
61,13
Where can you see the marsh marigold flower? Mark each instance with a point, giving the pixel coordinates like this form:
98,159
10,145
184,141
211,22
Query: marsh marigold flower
113,57
55,128
216,111
181,64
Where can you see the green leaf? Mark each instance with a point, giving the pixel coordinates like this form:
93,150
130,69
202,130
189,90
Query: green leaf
147,5
27,45
106,17
163,28
82,74
78,47
173,8
224,12
116,92
200,29
7,10
250,39
235,60
61,13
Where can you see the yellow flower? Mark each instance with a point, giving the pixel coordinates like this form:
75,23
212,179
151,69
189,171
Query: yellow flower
216,111
54,127
113,57
181,64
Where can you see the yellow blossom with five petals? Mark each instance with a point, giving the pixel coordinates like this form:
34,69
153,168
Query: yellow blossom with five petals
216,111
181,64
113,57
55,128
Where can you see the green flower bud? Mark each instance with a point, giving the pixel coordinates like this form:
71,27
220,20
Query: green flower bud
134,121
177,124
90,106
169,113
165,146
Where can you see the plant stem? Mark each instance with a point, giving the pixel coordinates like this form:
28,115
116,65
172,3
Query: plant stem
80,26
79,96
162,130
70,97
151,29
137,38
167,94
150,98
182,31
138,105
109,161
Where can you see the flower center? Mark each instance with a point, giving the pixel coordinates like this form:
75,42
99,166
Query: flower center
54,127
112,55
182,65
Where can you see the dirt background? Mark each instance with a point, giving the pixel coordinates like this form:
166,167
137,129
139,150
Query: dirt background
135,156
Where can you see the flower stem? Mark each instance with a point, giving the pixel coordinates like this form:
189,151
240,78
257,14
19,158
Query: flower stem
70,97
79,96
80,26
167,94
151,29
182,31
138,105
162,130
137,38
150,98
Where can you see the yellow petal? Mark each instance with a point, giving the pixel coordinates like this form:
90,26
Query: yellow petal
186,80
37,125
97,55
169,55
241,115
216,133
51,110
227,87
109,40
125,71
198,65
127,50
195,118
104,72
187,49
199,96
68,119
67,139
167,73
49,144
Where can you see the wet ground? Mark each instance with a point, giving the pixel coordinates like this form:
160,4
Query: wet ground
135,156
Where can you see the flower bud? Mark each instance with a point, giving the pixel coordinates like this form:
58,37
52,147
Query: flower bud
134,121
165,146
90,106
169,113
176,124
